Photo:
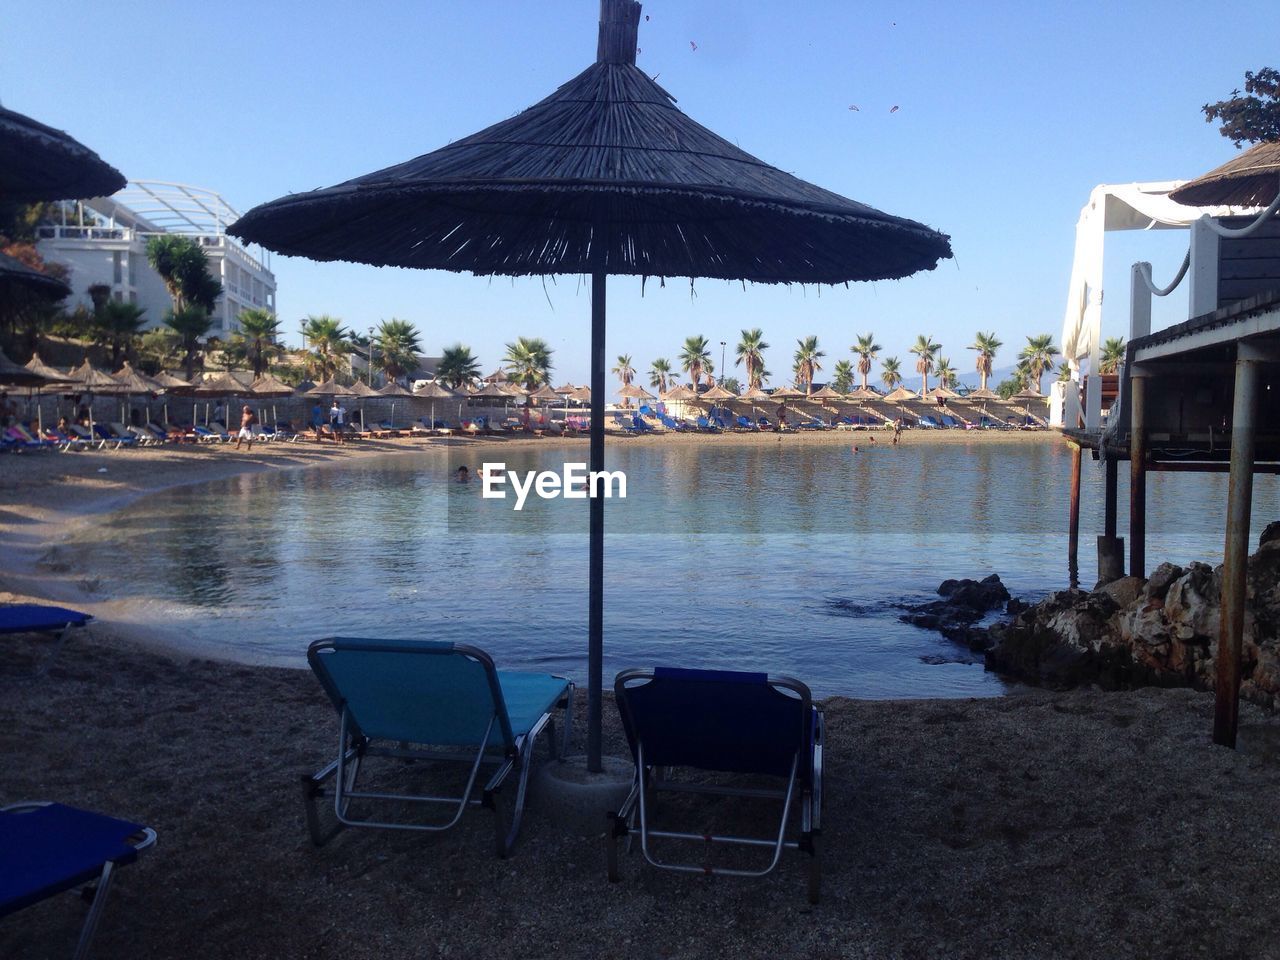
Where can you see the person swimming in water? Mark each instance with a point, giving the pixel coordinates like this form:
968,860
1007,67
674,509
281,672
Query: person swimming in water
463,475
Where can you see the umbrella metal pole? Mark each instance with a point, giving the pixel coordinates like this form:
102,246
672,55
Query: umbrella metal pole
595,574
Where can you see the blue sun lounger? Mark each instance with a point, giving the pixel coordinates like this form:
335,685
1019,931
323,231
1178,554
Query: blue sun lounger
431,701
726,722
39,618
48,848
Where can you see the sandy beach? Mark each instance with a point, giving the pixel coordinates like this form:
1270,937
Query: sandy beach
1076,824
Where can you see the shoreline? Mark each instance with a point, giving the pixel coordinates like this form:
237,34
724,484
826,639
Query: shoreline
50,497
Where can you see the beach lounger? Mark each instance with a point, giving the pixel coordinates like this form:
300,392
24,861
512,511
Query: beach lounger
48,848
431,701
41,618
726,722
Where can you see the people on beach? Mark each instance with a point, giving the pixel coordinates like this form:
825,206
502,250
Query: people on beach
219,413
317,419
897,430
247,419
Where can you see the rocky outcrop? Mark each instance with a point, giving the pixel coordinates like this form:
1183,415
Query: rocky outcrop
963,604
1160,631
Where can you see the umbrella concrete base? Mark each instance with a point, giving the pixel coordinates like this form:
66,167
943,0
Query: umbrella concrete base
571,796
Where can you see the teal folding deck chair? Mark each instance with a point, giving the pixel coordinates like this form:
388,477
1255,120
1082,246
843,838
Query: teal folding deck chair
725,722
431,701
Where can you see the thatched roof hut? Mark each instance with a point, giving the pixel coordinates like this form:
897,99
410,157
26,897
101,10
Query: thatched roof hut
15,273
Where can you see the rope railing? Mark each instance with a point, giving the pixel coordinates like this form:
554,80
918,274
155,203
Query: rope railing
1144,271
1230,234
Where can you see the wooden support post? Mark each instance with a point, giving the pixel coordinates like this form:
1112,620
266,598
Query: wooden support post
1073,523
1112,483
1138,477
1226,714
1110,547
595,564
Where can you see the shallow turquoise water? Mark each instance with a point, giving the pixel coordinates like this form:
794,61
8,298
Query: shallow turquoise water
781,558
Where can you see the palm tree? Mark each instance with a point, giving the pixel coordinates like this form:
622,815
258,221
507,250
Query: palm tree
867,349
1112,355
806,360
329,343
397,344
116,325
694,358
925,350
624,371
842,376
891,372
946,373
660,373
1038,353
257,335
190,323
184,268
986,344
528,362
457,366
750,352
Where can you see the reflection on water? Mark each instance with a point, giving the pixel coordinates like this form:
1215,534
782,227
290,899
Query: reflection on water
788,559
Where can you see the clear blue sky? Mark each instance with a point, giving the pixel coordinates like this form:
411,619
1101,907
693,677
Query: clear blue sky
1009,113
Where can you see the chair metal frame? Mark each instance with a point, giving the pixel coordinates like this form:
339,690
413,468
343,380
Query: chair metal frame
515,754
634,815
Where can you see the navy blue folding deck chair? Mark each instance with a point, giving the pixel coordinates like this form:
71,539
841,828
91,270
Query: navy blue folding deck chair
40,618
431,701
726,722
48,848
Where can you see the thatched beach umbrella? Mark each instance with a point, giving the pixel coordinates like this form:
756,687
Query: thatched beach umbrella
89,379
436,391
604,176
1251,179
40,163
135,383
16,375
633,391
16,276
330,388
270,387
361,389
900,396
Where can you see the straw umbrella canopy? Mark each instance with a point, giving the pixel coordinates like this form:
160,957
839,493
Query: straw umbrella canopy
270,386
544,392
92,380
605,176
756,394
633,391
40,163
862,393
393,389
1251,179
434,391
680,392
36,365
136,381
900,395
581,394
330,388
171,383
565,389
16,375
827,394
16,275
982,393
941,391
492,391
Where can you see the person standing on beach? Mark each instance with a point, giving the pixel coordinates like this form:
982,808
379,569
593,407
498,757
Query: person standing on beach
342,420
897,430
317,419
247,419
333,421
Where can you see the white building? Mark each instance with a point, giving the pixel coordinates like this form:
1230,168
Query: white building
104,241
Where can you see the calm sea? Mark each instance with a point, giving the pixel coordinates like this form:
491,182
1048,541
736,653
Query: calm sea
786,558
